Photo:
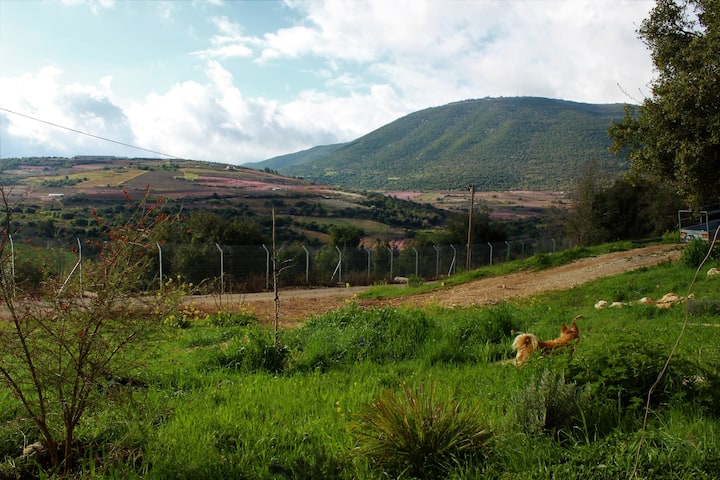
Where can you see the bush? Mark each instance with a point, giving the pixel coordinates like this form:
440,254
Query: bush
254,351
415,434
548,404
696,251
625,369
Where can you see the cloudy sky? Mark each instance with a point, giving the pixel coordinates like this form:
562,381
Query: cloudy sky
242,81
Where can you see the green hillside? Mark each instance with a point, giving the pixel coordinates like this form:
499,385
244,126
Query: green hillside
299,158
496,143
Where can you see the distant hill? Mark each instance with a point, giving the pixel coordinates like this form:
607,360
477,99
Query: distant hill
298,158
522,143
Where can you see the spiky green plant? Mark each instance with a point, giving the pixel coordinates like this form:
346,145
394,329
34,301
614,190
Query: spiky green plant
413,433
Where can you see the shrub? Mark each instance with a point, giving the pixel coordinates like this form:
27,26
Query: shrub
413,433
63,341
254,351
548,404
696,251
625,369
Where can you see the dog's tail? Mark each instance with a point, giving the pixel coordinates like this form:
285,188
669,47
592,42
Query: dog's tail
525,340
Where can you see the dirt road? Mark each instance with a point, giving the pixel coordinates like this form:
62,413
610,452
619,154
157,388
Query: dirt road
297,305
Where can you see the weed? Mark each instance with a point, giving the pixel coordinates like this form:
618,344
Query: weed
413,433
550,404
244,317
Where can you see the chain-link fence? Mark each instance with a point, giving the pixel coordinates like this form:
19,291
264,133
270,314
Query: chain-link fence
249,268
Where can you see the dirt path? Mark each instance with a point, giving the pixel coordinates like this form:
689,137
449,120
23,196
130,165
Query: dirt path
297,305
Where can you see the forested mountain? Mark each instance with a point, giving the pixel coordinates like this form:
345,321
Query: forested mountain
496,143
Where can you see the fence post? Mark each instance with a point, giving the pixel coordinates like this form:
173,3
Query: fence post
161,267
80,262
391,263
338,267
222,269
553,242
491,252
508,250
416,261
369,254
77,265
454,258
437,262
12,264
307,265
267,267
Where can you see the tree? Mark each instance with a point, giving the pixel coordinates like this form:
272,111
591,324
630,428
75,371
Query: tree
64,342
345,236
483,229
580,219
674,136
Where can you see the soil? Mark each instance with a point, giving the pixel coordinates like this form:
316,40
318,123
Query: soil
295,306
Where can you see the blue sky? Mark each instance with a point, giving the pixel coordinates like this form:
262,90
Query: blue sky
242,81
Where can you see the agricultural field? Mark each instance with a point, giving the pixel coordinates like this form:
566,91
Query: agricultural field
64,192
503,205
426,391
206,184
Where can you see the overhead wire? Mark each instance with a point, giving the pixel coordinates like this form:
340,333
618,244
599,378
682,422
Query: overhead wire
99,137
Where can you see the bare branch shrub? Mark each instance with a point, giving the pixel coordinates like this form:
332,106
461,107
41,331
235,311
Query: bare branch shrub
66,339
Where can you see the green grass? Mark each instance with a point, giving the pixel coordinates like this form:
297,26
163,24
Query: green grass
196,414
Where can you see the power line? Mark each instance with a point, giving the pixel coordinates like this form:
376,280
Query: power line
89,134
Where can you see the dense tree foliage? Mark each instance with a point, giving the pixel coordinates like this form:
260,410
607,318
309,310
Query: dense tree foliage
345,236
621,210
674,136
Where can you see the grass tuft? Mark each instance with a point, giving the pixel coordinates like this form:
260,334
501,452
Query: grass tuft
415,434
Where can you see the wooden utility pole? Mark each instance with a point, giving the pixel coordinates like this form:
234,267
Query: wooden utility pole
468,259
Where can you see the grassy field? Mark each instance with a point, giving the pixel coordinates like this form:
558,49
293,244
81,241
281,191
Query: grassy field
401,393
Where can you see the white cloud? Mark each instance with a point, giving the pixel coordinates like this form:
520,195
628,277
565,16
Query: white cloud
374,60
50,109
94,5
228,43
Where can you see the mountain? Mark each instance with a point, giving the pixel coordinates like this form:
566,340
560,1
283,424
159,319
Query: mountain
523,143
298,158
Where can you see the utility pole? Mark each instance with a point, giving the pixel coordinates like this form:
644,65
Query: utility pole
468,258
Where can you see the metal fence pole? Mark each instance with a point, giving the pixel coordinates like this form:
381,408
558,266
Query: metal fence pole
267,267
161,266
222,269
391,263
454,258
307,265
12,264
369,254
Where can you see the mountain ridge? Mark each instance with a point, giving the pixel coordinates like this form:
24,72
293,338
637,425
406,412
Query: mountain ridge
505,143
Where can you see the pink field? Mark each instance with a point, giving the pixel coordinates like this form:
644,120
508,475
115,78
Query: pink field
225,182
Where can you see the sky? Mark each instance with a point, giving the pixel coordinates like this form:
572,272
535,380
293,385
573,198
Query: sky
235,81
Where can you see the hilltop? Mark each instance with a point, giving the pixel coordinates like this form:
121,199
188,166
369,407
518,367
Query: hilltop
523,143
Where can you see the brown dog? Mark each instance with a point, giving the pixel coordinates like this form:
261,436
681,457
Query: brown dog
527,343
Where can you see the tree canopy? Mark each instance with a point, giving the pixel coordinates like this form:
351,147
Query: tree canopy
674,135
